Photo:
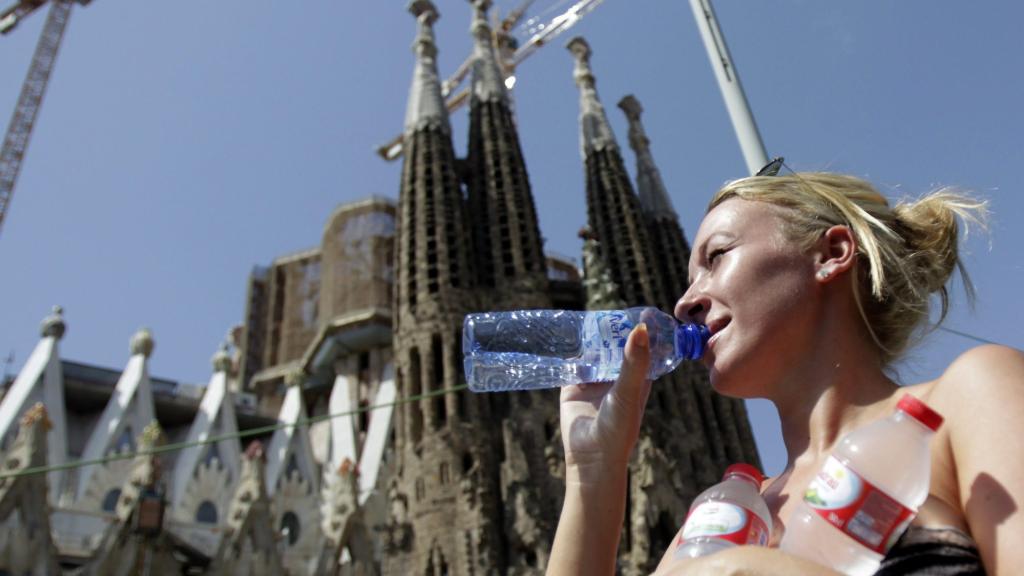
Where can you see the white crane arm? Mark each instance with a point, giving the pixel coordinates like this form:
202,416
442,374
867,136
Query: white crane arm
541,34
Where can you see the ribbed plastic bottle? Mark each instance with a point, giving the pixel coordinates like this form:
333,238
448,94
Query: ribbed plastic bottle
530,349
730,513
867,493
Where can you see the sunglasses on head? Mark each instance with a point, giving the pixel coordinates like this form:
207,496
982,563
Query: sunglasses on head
772,168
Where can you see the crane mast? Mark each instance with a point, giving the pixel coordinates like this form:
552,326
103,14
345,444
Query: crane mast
32,91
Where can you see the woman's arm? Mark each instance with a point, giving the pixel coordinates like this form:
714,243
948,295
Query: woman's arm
744,561
985,386
600,425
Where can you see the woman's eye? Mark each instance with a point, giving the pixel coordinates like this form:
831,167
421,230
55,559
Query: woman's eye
714,254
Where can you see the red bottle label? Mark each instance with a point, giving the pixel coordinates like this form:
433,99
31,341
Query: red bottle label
726,521
857,507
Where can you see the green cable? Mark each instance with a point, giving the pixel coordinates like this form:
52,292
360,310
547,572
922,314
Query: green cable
274,427
966,335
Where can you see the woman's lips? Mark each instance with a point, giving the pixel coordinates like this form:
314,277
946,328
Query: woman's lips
716,328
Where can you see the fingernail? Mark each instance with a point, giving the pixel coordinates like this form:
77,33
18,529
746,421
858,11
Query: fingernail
642,338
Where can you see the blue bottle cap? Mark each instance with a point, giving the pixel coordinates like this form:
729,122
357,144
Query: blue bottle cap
691,340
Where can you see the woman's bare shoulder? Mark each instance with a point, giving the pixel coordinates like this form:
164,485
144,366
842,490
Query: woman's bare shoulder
981,395
980,378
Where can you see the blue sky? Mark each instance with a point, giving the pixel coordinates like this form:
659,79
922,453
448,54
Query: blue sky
182,143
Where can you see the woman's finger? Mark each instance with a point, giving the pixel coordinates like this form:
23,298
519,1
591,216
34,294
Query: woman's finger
631,390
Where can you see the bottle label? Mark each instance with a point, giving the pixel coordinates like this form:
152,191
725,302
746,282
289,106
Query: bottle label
606,332
726,521
857,507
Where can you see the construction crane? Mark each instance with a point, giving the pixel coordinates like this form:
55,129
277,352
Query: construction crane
25,111
539,31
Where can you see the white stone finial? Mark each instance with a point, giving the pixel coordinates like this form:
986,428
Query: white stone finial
426,14
595,131
295,378
488,82
479,25
222,360
631,106
581,51
423,7
53,325
426,106
651,189
142,343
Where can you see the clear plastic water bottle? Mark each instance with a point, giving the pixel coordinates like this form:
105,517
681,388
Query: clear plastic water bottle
530,349
730,513
867,493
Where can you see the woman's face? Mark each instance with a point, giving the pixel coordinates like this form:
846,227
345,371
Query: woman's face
753,288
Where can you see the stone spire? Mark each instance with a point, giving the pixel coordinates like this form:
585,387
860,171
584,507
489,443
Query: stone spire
613,210
595,132
436,278
668,243
507,241
426,106
653,196
434,245
641,253
488,81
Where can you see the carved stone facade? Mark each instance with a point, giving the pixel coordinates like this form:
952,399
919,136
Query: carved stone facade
350,373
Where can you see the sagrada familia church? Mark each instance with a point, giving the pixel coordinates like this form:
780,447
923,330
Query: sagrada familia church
335,435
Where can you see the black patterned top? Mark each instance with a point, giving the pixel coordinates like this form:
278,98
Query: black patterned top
924,551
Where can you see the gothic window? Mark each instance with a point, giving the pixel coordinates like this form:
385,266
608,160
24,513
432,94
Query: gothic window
110,500
212,453
436,563
420,489
206,513
125,442
293,466
661,533
445,474
531,557
290,527
467,462
415,389
438,382
460,377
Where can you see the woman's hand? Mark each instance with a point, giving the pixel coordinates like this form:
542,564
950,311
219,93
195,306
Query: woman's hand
600,425
601,422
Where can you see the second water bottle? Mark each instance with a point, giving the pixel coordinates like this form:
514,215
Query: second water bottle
867,493
730,513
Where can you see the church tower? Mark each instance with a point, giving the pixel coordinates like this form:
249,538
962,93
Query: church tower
727,423
689,433
669,246
446,513
613,210
512,275
507,240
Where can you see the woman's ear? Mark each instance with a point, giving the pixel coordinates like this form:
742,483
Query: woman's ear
837,252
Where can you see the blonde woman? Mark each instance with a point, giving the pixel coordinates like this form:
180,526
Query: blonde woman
812,284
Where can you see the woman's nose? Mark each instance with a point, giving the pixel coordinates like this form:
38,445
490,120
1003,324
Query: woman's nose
692,306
